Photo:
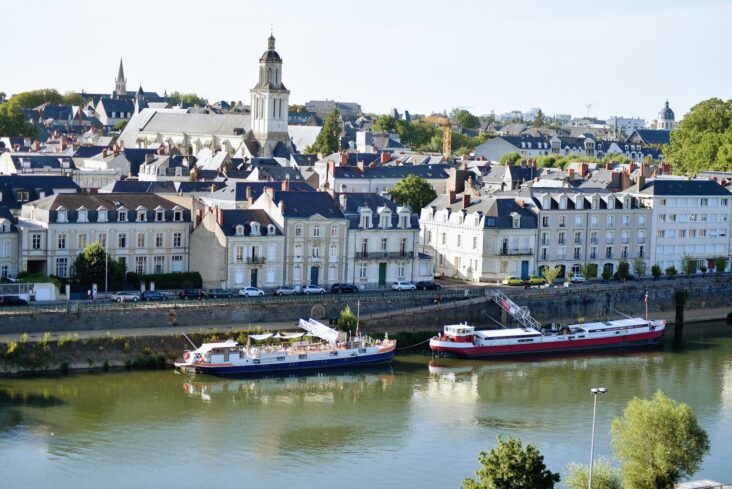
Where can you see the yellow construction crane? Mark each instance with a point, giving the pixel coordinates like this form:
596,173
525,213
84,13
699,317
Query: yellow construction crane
444,123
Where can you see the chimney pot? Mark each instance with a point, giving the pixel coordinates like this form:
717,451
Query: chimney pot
466,201
451,196
344,158
385,157
285,185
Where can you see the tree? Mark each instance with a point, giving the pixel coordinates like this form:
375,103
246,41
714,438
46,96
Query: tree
639,267
465,119
720,263
551,274
329,138
187,98
120,126
89,266
671,271
347,320
386,123
510,158
539,119
656,271
72,98
703,139
604,476
623,270
34,98
12,121
589,270
659,442
297,108
413,191
510,466
688,264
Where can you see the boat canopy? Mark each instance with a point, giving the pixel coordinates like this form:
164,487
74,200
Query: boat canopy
285,336
609,325
319,329
507,333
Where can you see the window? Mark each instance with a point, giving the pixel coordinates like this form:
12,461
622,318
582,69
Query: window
662,233
593,237
4,271
704,202
333,251
159,216
159,264
298,251
403,246
609,237
609,252
177,240
626,221
384,243
158,240
516,222
692,233
239,254
362,271
122,260
333,231
140,265
35,241
560,239
140,240
577,252
62,216
443,238
681,234
611,221
315,251
593,252
82,241
122,240
102,215
298,231
475,242
82,216
641,220
122,216
545,221
61,242
316,231
578,238
62,267
459,240
624,252
429,237
178,216
641,251
141,216
403,222
400,271
562,221
102,239
578,221
543,253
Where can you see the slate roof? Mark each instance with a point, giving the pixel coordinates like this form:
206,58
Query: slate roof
652,136
674,187
354,201
88,151
41,161
239,217
135,186
167,122
279,173
497,211
136,157
35,185
6,214
428,172
238,191
116,105
305,159
308,204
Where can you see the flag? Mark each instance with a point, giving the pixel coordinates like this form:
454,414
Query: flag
645,298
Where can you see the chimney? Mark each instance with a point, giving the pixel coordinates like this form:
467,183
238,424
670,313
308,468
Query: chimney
344,158
121,145
385,157
342,200
632,166
521,202
464,166
609,165
281,206
285,185
199,217
666,168
269,191
360,165
624,180
571,173
213,187
220,216
583,169
104,153
331,168
451,196
36,145
466,201
639,183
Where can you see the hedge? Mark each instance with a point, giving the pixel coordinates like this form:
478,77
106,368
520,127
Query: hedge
186,280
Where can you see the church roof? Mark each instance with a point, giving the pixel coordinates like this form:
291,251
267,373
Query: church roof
666,113
193,124
121,72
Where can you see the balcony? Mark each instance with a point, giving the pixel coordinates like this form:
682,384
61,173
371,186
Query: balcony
578,241
384,255
516,251
593,241
255,260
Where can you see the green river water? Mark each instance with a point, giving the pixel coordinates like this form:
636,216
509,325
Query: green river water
417,423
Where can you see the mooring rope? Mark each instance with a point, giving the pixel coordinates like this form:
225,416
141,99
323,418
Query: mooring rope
412,346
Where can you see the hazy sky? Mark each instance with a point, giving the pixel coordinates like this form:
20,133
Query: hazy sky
624,56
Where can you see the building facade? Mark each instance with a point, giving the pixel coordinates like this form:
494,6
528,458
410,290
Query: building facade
8,244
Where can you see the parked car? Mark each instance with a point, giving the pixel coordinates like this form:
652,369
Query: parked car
251,292
191,294
284,290
313,289
577,278
534,280
153,295
342,288
403,286
126,295
630,276
510,280
220,294
428,286
12,300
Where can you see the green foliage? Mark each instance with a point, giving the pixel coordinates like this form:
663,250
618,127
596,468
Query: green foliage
89,266
510,466
606,274
466,119
604,476
510,158
462,144
623,270
45,339
413,191
34,98
639,267
671,271
12,121
386,123
703,139
656,271
347,320
24,338
11,347
539,119
589,270
27,278
720,263
67,338
187,98
659,442
329,138
186,280
688,264
297,108
416,134
120,126
551,274
72,98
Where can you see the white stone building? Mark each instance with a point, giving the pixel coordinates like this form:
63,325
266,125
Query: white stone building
8,244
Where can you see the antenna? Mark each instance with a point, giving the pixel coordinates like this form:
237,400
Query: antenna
589,105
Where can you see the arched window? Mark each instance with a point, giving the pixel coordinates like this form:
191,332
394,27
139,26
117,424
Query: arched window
239,230
269,74
271,230
255,229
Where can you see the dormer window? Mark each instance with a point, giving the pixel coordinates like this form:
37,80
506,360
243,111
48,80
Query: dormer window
579,203
122,215
611,203
239,230
384,220
403,221
254,229
177,215
141,215
83,215
101,215
62,216
546,203
516,221
271,230
159,215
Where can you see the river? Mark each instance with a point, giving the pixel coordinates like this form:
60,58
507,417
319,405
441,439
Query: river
416,423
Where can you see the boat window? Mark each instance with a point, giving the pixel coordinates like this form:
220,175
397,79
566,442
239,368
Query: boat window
581,336
334,353
303,356
256,361
281,359
570,337
362,350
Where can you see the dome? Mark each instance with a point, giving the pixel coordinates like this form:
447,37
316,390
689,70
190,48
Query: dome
270,56
666,113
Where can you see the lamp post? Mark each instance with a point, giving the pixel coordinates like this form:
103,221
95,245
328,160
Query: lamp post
595,391
106,264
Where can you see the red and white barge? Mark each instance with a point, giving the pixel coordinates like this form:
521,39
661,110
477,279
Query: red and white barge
462,340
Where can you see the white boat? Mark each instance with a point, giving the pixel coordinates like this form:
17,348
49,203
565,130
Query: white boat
295,352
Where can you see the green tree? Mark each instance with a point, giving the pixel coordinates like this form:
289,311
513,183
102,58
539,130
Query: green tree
720,263
72,98
589,270
297,108
347,321
89,266
465,119
386,123
510,158
656,271
551,274
539,119
187,98
416,134
329,138
639,267
413,191
120,126
703,139
34,98
623,270
510,466
671,271
688,264
12,121
604,476
659,442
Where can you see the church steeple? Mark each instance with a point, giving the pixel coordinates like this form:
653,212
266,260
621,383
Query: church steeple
120,83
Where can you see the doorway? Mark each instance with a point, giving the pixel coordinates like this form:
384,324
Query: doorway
314,272
382,274
253,276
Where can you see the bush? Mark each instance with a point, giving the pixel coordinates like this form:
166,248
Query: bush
688,265
639,267
606,275
671,271
623,270
656,271
11,347
590,270
720,263
604,476
347,321
186,280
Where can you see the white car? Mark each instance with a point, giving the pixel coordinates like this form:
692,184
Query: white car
284,290
403,286
313,289
126,295
251,292
577,278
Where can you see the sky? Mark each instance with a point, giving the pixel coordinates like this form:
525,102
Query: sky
624,57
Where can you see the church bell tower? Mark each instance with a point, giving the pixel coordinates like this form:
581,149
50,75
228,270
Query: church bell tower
120,83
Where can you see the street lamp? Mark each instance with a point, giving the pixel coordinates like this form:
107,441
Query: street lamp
106,265
595,391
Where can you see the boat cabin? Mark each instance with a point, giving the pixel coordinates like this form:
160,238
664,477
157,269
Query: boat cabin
459,333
